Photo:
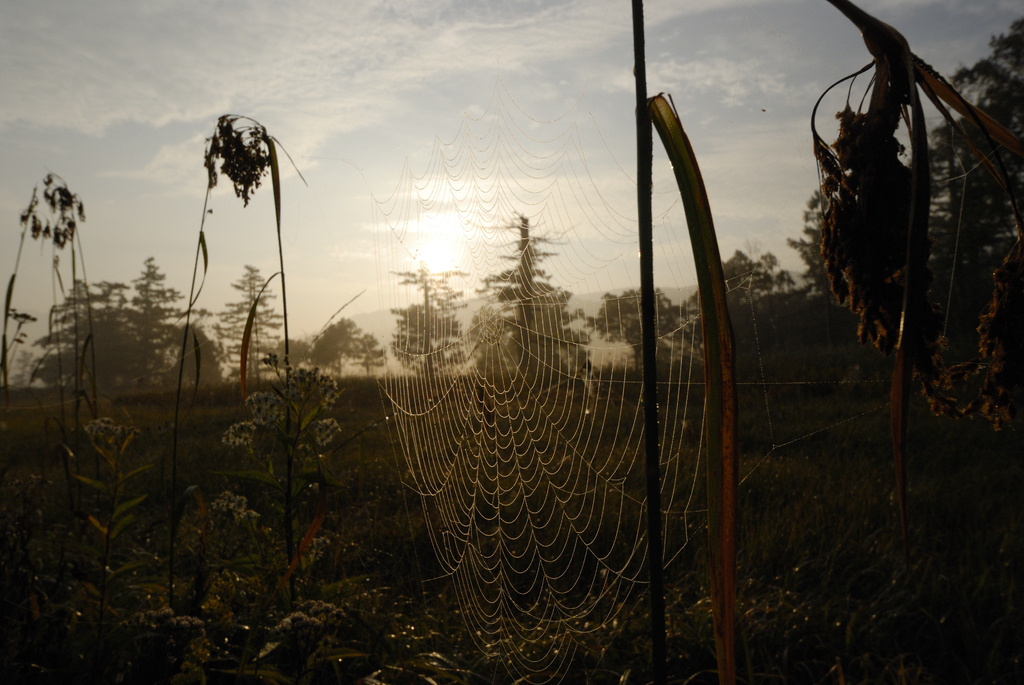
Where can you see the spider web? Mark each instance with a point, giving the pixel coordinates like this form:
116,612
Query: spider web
514,384
519,425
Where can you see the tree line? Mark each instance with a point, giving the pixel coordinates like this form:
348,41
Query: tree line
528,323
136,332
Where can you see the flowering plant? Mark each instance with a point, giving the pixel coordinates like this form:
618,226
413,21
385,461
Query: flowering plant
292,411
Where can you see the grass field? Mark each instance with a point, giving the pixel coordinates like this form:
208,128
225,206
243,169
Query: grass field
825,592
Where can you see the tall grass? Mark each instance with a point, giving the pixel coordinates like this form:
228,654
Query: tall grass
59,225
245,151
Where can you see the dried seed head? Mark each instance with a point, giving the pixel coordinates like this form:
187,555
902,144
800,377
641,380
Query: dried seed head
1002,339
66,210
864,238
243,151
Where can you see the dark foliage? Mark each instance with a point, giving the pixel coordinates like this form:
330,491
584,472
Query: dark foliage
243,152
64,206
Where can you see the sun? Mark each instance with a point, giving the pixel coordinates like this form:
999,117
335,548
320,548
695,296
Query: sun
436,256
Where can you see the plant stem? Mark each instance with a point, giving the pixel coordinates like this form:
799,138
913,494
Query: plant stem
88,309
177,407
289,533
644,162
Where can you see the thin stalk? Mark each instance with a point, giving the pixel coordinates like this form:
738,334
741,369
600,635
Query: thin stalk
177,404
77,378
103,580
55,328
644,163
913,289
88,309
275,175
7,310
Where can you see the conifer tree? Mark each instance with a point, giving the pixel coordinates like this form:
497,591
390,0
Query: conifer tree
232,320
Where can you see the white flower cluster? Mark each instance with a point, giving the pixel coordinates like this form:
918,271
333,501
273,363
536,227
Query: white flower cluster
310,619
165,620
239,435
104,430
324,431
304,382
317,547
296,622
266,408
318,609
235,505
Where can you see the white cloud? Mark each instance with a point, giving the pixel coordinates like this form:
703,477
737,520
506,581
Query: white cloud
89,66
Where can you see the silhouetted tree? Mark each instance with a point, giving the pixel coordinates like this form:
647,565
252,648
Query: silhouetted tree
135,340
152,322
972,222
541,329
618,320
231,326
371,355
427,334
337,345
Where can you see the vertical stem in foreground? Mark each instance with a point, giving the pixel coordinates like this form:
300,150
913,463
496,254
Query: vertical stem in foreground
74,349
644,155
93,411
275,176
173,504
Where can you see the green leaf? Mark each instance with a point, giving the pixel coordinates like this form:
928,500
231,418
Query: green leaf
135,472
121,525
721,409
92,483
130,566
342,653
247,563
97,525
254,476
206,264
125,506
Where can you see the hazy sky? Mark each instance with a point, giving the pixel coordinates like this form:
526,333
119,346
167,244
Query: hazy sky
118,98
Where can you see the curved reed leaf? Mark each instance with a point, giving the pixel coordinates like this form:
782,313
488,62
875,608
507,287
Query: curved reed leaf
933,83
206,266
85,373
4,371
721,409
179,505
247,334
275,177
199,362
